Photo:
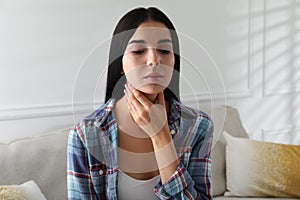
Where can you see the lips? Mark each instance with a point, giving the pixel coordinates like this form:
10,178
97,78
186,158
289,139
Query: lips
153,75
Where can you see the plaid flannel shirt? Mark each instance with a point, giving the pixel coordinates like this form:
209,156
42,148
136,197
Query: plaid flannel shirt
92,164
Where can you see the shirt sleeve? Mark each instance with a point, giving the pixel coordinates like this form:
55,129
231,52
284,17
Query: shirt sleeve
192,178
79,183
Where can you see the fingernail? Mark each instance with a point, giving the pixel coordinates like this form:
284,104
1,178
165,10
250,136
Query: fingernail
128,88
131,87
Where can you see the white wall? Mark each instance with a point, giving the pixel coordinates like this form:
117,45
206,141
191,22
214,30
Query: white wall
242,53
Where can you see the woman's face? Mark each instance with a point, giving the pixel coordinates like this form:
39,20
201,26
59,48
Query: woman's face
148,60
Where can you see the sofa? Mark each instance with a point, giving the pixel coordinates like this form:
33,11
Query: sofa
43,158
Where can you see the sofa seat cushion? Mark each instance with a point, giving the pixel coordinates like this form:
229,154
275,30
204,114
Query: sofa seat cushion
225,118
42,159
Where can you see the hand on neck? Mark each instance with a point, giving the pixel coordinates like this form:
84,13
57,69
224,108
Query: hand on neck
151,97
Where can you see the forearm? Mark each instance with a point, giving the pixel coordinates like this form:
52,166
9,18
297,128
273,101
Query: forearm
165,153
193,182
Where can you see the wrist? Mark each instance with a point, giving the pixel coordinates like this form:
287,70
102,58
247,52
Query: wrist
162,138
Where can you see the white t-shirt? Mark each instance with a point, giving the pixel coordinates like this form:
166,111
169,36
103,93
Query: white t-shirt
133,189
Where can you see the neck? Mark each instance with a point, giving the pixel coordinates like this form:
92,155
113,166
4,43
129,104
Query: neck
121,105
151,97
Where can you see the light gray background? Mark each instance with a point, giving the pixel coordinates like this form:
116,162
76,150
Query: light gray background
48,48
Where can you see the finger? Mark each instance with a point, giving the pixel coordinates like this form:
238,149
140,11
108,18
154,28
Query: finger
139,115
131,107
132,113
140,98
135,103
128,92
132,97
126,95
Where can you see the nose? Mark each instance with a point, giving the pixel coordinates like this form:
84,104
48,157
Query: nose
153,57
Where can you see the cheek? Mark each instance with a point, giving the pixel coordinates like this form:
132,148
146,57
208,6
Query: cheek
131,70
168,71
172,61
131,62
169,61
127,63
134,78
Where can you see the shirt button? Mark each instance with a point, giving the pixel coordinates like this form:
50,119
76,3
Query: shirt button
172,132
100,172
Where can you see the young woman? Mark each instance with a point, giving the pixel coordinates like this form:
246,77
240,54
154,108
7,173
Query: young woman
142,143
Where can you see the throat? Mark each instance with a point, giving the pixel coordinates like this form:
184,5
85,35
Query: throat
151,97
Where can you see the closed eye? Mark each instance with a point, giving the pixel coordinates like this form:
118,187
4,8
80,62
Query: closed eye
138,52
163,51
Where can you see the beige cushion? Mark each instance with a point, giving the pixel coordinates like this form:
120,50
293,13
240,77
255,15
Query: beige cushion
261,169
26,191
225,118
42,159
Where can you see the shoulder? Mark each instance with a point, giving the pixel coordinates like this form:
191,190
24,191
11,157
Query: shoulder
197,116
196,125
98,119
99,115
199,131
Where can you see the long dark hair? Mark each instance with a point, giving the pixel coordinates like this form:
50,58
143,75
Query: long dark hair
121,35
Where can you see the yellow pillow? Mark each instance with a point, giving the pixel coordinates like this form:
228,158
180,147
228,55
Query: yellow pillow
26,191
260,169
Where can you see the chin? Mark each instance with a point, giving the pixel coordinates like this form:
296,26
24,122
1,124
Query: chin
152,88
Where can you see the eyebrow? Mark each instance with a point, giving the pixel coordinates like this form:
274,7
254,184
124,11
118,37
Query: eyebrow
164,41
144,42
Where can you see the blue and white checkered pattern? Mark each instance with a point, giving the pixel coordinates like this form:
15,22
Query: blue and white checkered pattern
93,151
